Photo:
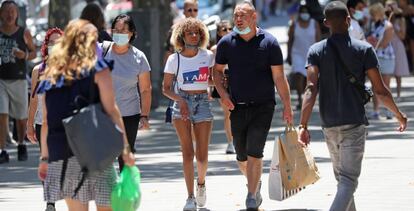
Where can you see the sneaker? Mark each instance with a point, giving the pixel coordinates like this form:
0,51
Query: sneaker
4,157
230,149
259,198
374,116
251,204
190,204
21,152
388,115
50,207
201,196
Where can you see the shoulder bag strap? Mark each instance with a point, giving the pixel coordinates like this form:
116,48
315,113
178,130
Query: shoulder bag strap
175,77
351,77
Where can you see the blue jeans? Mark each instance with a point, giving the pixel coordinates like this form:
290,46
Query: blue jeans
346,146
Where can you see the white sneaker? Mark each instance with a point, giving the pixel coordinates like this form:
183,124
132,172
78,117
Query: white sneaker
230,149
201,196
190,204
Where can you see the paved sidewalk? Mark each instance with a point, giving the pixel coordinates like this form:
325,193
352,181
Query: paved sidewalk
386,182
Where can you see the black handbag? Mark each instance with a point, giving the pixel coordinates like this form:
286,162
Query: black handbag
365,92
168,112
92,136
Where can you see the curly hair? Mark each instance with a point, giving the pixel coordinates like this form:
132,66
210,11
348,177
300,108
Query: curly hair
77,46
177,38
49,33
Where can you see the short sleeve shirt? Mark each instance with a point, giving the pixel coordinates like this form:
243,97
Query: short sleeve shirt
249,63
193,72
125,73
339,100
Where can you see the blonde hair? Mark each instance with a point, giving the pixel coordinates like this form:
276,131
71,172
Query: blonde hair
177,37
76,46
377,8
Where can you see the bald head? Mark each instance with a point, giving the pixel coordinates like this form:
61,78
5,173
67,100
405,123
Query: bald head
247,5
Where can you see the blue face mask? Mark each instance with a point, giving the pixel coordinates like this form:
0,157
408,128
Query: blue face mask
242,32
358,15
304,16
120,39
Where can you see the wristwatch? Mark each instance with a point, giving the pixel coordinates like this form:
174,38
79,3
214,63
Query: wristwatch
143,117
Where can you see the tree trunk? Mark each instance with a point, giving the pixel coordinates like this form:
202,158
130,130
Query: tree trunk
59,13
150,14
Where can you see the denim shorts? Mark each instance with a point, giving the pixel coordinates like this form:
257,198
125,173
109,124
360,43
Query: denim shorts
250,125
198,105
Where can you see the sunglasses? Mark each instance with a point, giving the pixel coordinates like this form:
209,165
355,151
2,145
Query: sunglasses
191,10
226,29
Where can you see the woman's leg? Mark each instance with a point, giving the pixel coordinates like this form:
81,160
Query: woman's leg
75,205
202,132
300,88
103,208
131,128
398,79
183,129
227,124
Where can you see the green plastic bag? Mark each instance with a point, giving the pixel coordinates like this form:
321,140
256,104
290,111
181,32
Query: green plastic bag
126,195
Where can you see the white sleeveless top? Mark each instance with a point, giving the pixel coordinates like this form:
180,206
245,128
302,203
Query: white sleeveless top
303,39
378,33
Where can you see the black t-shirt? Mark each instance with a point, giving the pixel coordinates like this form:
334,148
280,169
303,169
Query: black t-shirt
250,74
339,100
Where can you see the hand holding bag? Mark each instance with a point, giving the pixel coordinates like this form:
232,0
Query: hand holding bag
296,162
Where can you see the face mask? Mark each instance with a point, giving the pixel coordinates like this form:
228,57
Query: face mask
242,32
120,39
304,16
190,46
358,15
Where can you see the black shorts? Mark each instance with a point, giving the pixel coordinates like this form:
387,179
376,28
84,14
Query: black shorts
250,124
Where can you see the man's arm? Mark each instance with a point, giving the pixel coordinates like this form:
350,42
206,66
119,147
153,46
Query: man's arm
384,94
30,45
282,87
218,74
309,100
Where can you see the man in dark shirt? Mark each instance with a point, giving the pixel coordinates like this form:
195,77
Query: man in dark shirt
340,105
255,65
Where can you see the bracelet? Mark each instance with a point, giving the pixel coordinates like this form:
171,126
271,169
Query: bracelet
143,117
43,159
303,126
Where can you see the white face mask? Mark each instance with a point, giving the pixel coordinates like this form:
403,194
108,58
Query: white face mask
49,49
358,15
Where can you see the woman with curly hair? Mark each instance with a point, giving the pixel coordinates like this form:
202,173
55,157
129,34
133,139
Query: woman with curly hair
189,69
75,64
34,121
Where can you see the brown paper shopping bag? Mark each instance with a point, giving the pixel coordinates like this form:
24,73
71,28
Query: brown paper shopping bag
298,167
276,188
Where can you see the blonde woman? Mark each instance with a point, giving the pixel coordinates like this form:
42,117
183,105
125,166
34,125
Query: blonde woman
67,75
382,33
190,66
